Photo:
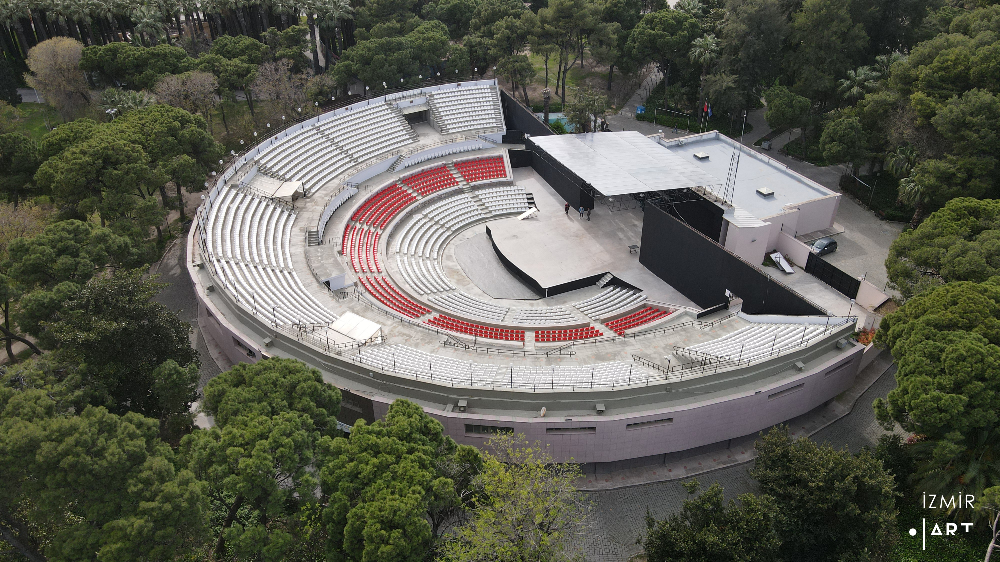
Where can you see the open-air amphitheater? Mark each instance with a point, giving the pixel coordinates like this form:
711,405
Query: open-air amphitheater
418,246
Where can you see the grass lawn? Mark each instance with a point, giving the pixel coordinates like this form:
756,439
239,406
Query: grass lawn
37,119
577,75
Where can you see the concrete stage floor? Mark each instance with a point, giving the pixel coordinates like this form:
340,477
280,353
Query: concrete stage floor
554,248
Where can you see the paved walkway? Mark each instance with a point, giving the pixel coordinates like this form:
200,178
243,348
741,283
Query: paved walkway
178,296
29,95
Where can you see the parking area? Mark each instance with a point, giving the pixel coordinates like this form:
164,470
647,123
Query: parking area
864,244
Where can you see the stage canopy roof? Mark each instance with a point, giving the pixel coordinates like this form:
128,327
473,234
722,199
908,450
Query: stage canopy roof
620,163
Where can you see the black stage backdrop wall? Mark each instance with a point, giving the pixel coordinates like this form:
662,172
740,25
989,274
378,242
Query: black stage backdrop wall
354,407
520,118
702,270
566,183
519,158
524,277
699,213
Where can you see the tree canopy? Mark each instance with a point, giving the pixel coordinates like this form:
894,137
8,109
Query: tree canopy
391,486
945,342
259,459
831,505
959,242
98,484
708,529
524,507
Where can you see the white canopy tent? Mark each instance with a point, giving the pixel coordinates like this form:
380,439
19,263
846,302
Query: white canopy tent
287,190
357,328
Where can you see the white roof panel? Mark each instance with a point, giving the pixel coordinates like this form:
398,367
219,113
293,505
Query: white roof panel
755,171
619,163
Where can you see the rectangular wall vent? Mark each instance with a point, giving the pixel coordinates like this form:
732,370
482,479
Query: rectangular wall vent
650,423
787,391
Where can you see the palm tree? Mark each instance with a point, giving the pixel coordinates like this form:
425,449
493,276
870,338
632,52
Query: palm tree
11,14
310,9
916,195
858,83
286,8
901,162
967,467
883,63
704,51
117,102
330,14
148,24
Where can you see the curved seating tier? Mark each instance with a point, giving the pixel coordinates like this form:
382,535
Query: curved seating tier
424,276
369,132
756,341
361,247
465,109
431,227
419,241
428,181
477,330
506,199
611,301
248,243
567,335
390,296
461,303
636,319
307,156
379,209
420,365
318,153
543,316
482,169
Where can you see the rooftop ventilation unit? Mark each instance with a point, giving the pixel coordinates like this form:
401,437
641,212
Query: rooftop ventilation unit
765,192
701,155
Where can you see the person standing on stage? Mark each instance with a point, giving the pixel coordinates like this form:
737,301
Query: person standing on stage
567,209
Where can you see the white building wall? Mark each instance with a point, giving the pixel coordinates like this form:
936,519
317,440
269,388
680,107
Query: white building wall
749,243
816,214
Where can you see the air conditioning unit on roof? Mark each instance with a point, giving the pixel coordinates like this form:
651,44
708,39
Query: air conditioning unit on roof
765,192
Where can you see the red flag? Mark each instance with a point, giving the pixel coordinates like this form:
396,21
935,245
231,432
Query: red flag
706,107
